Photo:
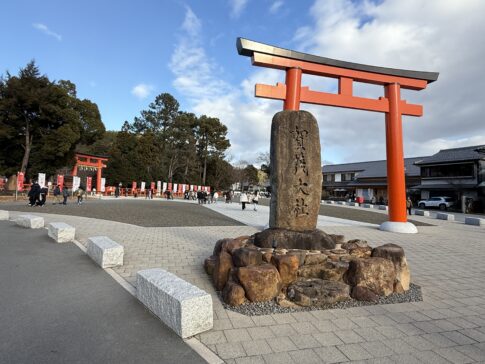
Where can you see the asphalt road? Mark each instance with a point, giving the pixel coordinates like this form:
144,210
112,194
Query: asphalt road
57,306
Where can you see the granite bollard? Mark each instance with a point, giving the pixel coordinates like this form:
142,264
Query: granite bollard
421,212
105,252
61,232
30,221
474,221
443,216
183,307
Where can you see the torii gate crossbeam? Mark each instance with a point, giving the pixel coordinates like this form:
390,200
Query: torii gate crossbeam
295,64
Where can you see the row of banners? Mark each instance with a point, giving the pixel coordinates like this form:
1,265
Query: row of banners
76,183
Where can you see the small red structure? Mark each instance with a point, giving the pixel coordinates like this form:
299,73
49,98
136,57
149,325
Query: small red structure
93,161
393,80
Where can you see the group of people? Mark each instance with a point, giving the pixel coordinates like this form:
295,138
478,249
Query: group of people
249,197
38,195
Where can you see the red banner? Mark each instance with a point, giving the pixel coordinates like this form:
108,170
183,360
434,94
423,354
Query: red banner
133,187
208,189
152,185
169,187
180,188
89,183
20,181
60,181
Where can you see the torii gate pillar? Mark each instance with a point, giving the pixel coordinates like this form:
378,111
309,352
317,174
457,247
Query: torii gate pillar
292,93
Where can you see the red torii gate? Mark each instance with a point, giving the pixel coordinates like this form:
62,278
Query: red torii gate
393,80
91,160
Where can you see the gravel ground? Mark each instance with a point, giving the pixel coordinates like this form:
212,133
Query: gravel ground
370,217
268,308
154,213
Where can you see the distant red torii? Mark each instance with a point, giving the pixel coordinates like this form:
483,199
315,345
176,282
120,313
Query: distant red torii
91,160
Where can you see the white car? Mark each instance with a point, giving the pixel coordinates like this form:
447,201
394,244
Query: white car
442,203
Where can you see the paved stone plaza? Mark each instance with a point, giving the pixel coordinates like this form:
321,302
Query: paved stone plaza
445,259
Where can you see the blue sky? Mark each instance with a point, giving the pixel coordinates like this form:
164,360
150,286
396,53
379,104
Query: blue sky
121,54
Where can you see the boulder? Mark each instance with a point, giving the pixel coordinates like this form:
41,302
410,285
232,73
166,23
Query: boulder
267,255
376,274
338,239
218,246
222,268
233,294
315,258
289,239
395,254
355,243
287,266
301,254
243,257
317,292
261,282
361,252
209,264
330,270
360,293
231,245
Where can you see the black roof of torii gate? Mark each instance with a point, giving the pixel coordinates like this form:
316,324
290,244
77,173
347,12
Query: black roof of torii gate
246,47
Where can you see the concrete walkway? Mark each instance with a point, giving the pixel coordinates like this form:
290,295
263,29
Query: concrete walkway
56,306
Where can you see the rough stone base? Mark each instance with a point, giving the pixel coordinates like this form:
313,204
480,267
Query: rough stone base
183,307
61,232
4,215
105,252
288,239
30,221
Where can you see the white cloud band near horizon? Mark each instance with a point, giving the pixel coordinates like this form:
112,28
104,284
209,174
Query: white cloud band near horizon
45,29
142,90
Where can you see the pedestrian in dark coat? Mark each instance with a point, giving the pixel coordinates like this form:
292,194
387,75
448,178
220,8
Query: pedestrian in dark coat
65,195
34,193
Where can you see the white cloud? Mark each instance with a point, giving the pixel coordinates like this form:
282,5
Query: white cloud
142,90
275,6
44,29
237,7
192,23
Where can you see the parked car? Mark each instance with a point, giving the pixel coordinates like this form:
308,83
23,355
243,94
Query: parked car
442,203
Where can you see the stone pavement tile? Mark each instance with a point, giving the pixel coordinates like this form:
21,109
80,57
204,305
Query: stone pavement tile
323,315
404,359
472,351
384,360
474,334
330,354
430,357
283,318
354,352
264,320
355,311
327,339
391,332
453,355
462,322
377,349
434,314
283,330
399,346
410,329
305,341
262,332
349,336
230,361
223,324
401,318
428,327
305,328
344,323
241,322
325,326
256,347
439,340
383,320
458,337
250,360
369,334
279,344
363,321
417,316
237,335
419,343
303,316
464,311
279,358
305,356
230,350
212,337
376,310
446,325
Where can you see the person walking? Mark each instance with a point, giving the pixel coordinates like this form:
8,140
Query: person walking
243,199
57,195
65,195
42,196
255,201
409,205
33,193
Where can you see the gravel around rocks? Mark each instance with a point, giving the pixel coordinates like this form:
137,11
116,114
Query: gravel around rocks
267,308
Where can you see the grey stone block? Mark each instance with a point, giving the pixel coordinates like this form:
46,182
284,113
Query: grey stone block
421,212
443,216
4,215
354,204
105,252
368,205
61,232
471,221
331,202
30,221
383,207
182,306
